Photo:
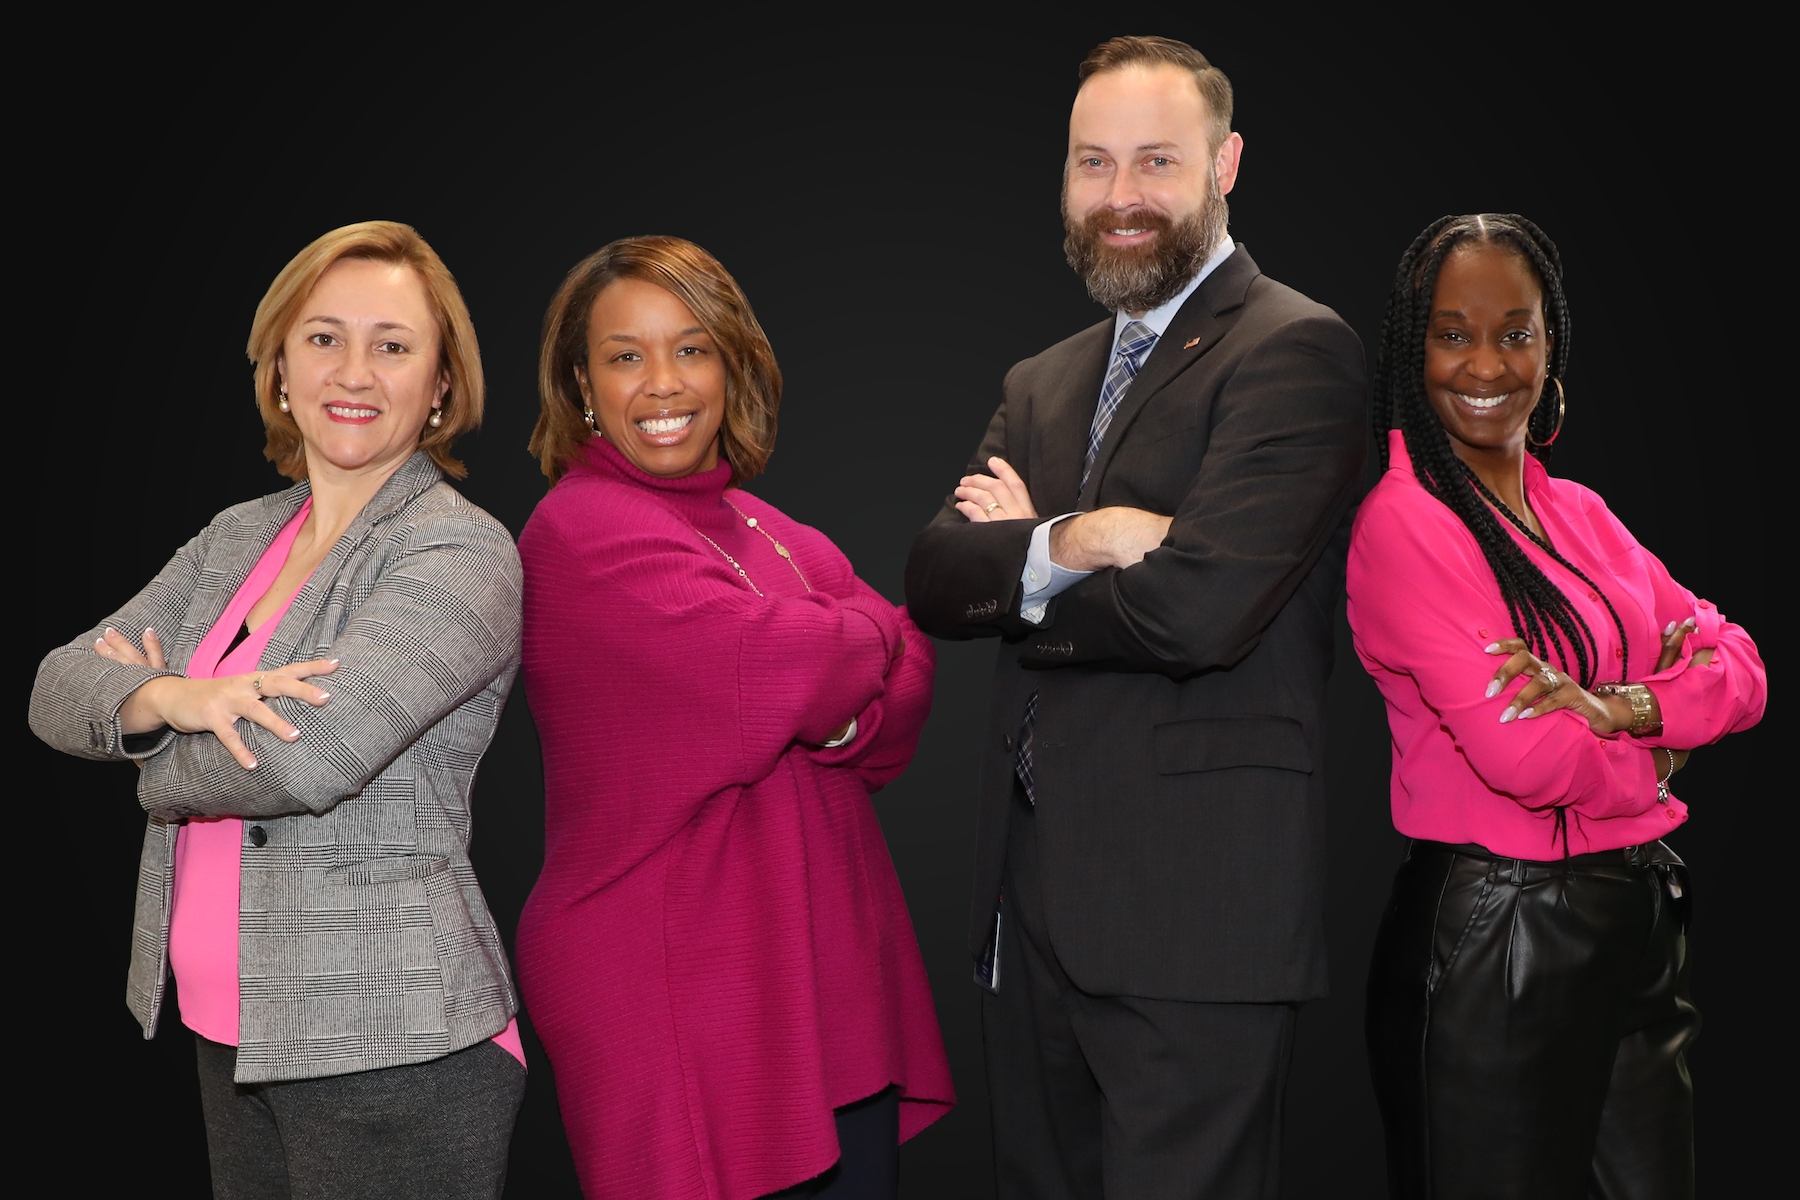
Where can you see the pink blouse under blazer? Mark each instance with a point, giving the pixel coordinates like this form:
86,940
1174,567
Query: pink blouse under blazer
1423,608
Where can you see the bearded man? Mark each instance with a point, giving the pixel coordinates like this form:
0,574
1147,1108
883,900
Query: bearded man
1155,526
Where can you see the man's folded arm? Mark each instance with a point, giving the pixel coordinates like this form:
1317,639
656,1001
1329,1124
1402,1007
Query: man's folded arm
1283,464
963,577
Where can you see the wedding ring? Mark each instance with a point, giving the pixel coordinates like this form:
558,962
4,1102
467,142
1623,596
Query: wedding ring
990,508
1549,679
257,683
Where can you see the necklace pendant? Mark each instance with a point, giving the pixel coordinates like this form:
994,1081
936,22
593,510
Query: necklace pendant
750,521
782,550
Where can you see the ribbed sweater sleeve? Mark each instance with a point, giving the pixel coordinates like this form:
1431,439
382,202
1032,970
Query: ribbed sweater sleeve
707,683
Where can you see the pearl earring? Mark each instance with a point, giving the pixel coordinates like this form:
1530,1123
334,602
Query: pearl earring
284,401
587,415
437,417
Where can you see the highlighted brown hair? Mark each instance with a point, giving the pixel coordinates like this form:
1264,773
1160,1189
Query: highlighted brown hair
459,358
691,275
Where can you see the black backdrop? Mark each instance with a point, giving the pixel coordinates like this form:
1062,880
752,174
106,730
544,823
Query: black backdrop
887,196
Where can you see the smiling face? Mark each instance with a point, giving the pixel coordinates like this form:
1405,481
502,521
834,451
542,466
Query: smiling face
654,379
360,367
1486,349
1143,194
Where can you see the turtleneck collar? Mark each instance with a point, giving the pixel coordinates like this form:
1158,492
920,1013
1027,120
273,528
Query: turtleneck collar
698,493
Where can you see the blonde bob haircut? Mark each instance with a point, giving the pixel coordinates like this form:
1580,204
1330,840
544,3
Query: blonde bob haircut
691,275
459,358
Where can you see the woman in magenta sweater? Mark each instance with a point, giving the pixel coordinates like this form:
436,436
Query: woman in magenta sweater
717,955
1544,676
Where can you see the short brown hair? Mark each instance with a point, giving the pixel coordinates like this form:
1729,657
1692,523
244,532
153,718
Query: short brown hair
1123,52
459,357
691,275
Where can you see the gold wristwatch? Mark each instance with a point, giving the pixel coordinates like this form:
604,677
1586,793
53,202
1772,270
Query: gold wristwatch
1642,723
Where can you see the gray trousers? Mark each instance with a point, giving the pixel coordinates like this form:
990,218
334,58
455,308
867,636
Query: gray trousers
1119,1097
438,1129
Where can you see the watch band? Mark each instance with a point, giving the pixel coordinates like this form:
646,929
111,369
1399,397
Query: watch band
1642,724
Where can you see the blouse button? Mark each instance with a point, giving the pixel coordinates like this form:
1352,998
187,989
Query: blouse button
258,836
1481,633
1670,813
1618,652
1593,595
1702,604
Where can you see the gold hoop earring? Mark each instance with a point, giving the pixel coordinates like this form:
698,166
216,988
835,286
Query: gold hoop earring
1562,410
283,404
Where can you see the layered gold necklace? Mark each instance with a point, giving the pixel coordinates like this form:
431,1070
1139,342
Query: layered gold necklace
736,566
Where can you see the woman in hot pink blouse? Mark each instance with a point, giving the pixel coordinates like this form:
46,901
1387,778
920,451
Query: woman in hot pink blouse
1544,677
717,955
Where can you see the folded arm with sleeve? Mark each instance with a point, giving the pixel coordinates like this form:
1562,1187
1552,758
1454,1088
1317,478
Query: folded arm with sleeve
440,624
1282,465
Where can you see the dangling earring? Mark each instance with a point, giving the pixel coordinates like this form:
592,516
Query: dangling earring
284,404
587,414
437,417
1562,410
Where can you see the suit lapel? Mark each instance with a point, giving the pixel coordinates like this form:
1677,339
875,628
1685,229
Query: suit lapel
1060,422
1195,330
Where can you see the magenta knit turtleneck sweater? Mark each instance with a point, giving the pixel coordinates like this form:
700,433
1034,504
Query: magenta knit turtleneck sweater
717,953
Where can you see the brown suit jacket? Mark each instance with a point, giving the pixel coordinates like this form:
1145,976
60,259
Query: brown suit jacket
1180,734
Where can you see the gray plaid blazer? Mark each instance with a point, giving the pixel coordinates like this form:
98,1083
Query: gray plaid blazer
364,940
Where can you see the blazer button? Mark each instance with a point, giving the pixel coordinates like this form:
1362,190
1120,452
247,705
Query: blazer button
258,836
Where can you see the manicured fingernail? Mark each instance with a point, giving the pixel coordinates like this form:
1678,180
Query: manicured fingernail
1493,689
110,629
252,765
1528,714
1670,629
335,661
1508,715
1494,649
323,697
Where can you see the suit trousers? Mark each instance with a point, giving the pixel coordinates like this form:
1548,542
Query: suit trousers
437,1130
1528,1024
1120,1096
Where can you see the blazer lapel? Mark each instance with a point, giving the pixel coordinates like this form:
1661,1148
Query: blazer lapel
415,475
1195,330
1060,422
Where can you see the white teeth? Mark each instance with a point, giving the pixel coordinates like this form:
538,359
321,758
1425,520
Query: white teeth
1126,232
1484,401
664,424
353,413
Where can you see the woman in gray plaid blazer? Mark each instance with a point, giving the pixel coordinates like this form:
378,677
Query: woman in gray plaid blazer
371,983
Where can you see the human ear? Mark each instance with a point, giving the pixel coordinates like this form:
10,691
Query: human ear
581,382
1225,162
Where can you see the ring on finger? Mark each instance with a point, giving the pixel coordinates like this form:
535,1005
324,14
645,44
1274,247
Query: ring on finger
257,683
990,508
1550,679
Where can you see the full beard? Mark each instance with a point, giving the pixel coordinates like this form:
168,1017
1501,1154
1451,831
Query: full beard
1136,279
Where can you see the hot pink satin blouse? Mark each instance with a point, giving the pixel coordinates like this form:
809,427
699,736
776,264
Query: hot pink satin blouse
1423,608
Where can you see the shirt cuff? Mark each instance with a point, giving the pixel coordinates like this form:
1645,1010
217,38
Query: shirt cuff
1043,579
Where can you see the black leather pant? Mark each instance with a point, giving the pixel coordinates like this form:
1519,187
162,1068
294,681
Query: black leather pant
1528,1025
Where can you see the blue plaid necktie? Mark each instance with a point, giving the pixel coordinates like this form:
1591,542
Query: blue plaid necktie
1135,341
1134,344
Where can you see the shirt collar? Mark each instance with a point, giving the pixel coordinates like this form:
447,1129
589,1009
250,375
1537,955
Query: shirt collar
1158,318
